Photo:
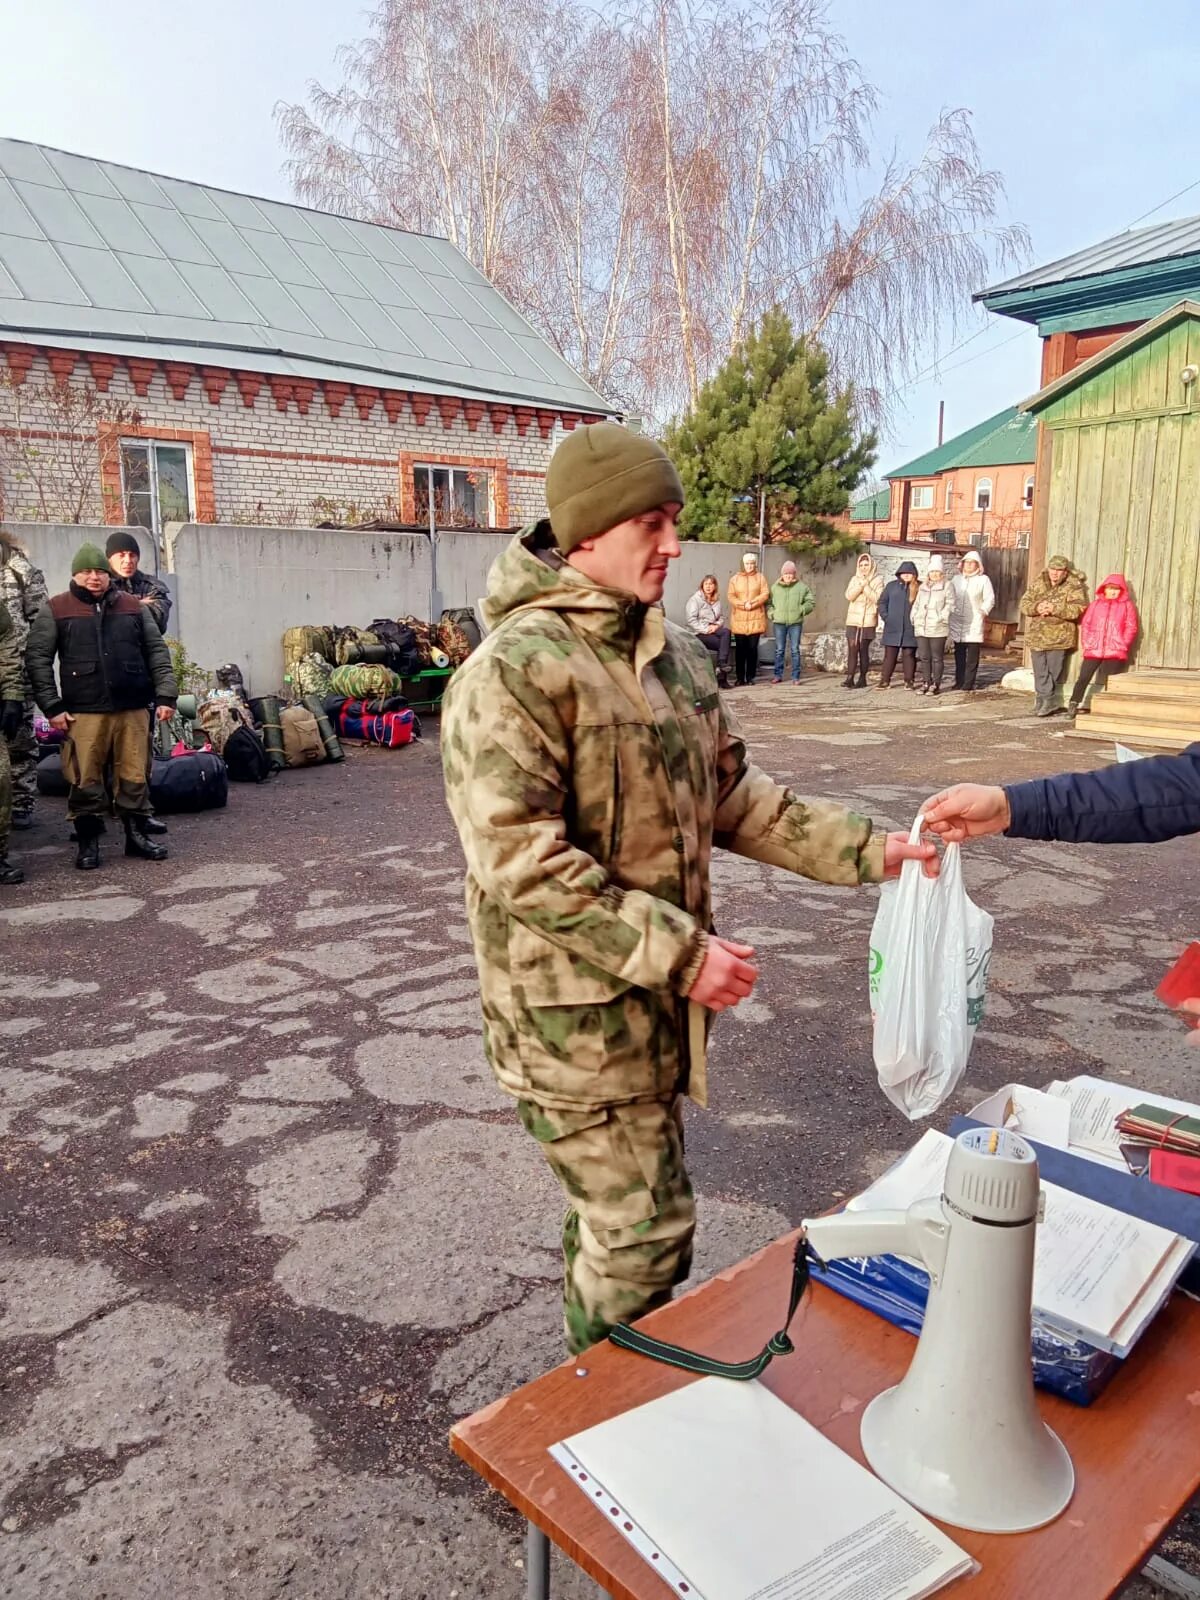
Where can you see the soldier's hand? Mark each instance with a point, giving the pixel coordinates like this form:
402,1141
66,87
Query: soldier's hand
62,722
726,976
967,811
164,713
12,714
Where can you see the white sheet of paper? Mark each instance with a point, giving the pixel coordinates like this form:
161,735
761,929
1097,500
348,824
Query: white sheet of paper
1033,1112
1096,1104
1095,1269
749,1502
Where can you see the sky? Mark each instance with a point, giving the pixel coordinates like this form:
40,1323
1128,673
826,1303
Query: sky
1088,115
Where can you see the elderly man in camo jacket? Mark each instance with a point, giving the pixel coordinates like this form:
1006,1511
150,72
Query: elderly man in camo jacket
590,770
23,591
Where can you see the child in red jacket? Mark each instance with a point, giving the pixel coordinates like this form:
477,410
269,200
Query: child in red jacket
1107,629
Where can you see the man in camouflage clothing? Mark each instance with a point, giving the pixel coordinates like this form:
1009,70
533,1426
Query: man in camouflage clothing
23,591
590,770
12,710
1052,606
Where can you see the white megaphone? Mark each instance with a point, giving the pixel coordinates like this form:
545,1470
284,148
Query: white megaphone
960,1437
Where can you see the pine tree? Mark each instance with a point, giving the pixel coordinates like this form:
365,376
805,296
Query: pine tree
766,423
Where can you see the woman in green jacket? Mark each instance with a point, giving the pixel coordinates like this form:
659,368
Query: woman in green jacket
791,602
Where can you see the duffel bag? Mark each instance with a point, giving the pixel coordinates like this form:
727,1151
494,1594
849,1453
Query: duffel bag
304,641
302,742
192,782
363,682
391,729
50,780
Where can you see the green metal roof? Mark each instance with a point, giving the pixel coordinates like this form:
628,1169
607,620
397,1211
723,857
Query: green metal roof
96,256
1136,247
874,507
1010,437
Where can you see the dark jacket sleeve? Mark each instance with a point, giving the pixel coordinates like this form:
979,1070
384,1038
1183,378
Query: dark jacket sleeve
158,661
160,604
40,649
1134,802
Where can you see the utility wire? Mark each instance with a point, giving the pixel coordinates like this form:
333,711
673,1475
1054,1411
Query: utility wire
1179,193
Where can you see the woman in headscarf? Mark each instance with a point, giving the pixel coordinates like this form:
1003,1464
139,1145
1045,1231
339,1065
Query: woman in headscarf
862,618
973,598
748,594
931,624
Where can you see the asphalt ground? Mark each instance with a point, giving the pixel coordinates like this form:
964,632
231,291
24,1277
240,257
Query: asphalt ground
266,1225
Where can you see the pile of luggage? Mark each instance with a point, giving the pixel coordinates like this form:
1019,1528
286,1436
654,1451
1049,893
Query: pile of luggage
359,674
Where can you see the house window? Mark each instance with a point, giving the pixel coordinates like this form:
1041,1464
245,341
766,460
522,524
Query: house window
1027,497
983,494
461,497
943,536
1023,540
949,494
922,497
156,484
979,540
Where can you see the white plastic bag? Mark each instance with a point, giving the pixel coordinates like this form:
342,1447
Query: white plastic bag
930,951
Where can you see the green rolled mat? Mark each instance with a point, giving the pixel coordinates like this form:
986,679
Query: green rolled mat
266,714
333,747
186,707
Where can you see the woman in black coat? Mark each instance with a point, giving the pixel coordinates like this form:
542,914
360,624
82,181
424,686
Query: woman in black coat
899,639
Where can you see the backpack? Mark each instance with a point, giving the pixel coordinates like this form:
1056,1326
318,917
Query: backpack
219,715
349,644
305,641
245,756
310,675
458,634
302,742
400,643
390,728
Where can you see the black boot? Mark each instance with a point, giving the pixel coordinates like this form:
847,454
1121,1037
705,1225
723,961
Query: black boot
138,843
87,839
848,682
8,872
153,825
22,819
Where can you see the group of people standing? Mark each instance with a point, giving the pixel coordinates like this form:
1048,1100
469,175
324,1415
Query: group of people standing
754,605
106,633
1059,620
918,616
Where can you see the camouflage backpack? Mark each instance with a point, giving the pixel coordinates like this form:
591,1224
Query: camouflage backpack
304,641
425,640
311,675
220,714
453,640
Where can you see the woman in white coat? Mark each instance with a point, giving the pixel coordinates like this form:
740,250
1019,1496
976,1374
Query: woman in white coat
973,599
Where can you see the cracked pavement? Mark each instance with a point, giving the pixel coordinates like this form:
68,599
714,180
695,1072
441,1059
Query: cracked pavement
267,1226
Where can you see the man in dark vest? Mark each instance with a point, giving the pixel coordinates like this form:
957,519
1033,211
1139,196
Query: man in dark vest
112,663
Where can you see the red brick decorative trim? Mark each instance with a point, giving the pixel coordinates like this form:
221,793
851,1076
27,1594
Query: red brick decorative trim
422,405
393,403
281,390
336,395
496,465
304,391
179,375
103,370
546,423
365,398
526,417
258,454
141,374
249,387
20,359
449,406
62,364
475,411
215,380
109,439
570,419
499,416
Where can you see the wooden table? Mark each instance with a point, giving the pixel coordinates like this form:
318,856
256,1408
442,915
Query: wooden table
1136,1450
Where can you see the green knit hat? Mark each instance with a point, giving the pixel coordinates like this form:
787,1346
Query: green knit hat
89,558
1058,561
601,475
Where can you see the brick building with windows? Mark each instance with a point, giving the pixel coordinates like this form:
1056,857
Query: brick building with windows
976,488
174,353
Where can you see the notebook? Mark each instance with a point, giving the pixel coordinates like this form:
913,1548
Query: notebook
729,1494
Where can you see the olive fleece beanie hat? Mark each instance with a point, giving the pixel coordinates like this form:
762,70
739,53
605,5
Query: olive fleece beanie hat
1058,561
122,541
89,558
601,475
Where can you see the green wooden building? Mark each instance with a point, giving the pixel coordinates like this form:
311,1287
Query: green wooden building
1120,468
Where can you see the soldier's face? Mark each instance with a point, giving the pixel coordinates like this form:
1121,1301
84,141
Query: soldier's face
633,556
124,563
95,582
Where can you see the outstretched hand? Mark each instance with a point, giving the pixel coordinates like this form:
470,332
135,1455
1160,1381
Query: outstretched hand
967,811
897,851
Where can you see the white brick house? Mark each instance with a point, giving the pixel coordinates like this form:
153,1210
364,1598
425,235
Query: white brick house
242,360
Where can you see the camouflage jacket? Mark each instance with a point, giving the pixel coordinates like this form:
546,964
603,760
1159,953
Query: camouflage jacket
143,587
590,770
1060,631
12,672
22,589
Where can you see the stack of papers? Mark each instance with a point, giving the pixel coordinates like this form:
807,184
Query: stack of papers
730,1495
1095,1104
1098,1274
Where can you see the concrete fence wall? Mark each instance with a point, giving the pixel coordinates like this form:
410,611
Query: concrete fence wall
237,589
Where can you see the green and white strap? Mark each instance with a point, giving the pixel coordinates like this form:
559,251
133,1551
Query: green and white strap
779,1344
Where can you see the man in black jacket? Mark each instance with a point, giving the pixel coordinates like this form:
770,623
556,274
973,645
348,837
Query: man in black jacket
112,663
124,554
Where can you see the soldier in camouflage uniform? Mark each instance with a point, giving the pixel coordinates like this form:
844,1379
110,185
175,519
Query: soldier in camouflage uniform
12,710
590,770
23,591
1052,606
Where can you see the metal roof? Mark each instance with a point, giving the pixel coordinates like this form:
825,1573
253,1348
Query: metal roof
873,507
99,256
1136,247
1008,438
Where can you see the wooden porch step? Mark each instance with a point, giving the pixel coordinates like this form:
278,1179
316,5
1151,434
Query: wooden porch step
1121,713
1173,686
1160,737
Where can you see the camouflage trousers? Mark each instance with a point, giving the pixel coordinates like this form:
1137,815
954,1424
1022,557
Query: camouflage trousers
22,757
627,1238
